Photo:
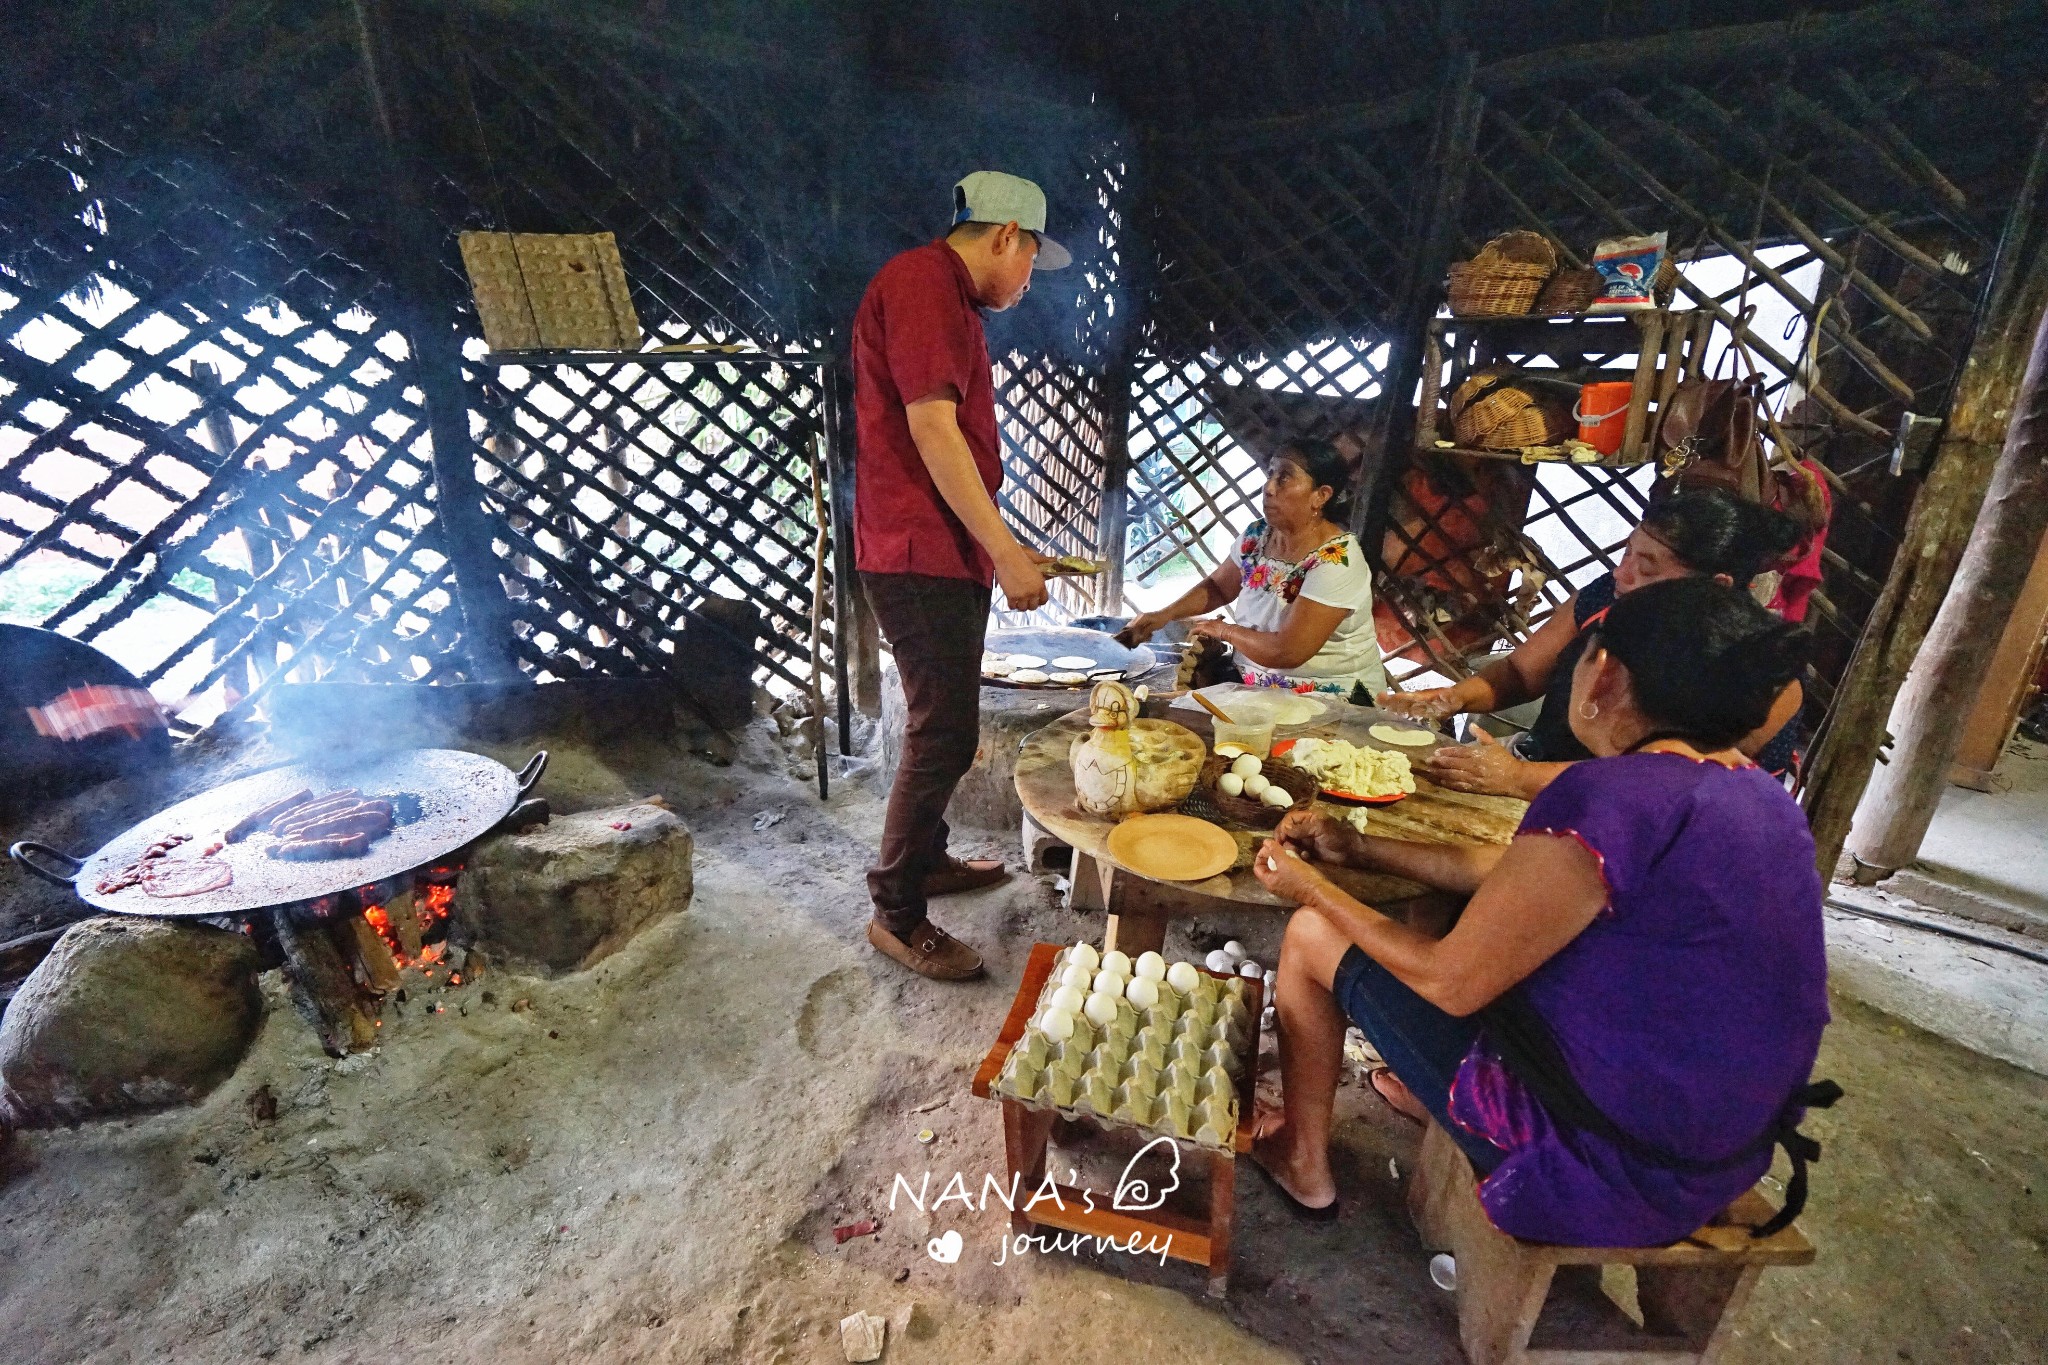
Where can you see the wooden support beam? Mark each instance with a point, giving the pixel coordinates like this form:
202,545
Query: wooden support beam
1899,803
416,250
1114,528
1938,528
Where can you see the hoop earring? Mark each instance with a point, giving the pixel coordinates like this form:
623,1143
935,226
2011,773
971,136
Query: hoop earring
1590,711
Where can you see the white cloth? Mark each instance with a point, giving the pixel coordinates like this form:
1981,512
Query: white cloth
1335,574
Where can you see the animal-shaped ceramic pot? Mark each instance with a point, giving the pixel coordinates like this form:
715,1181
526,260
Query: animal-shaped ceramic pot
1126,764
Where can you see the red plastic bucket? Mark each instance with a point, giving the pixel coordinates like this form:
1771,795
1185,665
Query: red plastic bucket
1602,413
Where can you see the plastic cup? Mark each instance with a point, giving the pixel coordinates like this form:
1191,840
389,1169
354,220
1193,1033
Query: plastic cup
1253,739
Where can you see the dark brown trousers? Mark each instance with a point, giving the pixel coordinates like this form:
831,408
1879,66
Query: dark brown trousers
935,628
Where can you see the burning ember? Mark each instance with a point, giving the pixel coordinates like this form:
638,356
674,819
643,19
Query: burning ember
414,926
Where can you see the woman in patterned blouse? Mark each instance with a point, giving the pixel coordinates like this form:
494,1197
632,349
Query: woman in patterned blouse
1300,584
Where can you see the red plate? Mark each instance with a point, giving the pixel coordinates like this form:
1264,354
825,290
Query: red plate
1280,750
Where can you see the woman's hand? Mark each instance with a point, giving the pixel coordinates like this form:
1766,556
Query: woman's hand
1485,767
1143,627
1320,837
1211,629
1281,871
1433,703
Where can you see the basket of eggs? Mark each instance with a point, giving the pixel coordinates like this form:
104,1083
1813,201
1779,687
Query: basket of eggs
1253,791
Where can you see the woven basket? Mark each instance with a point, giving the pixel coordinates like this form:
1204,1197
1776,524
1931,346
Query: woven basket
1569,291
1508,417
1504,278
1249,811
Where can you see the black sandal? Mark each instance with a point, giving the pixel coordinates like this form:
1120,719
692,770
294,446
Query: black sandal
1307,1213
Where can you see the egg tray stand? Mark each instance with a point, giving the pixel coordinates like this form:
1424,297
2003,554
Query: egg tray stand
1027,1128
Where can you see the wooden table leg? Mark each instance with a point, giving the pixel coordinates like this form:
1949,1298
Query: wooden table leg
1132,929
1088,882
1222,1205
1024,1136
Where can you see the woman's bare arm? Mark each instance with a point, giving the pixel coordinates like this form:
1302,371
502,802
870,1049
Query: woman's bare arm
1448,867
1540,896
1782,711
1521,676
1306,628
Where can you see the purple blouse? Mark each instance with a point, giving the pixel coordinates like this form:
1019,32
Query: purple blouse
1688,1010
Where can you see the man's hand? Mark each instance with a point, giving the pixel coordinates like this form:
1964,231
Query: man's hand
1433,703
1281,871
1023,578
1320,837
1485,767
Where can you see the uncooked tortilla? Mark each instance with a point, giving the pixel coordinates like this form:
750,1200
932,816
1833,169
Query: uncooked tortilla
1074,662
1069,679
1026,661
1407,739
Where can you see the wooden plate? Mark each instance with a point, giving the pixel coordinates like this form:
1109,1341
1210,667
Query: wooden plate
1172,848
1284,745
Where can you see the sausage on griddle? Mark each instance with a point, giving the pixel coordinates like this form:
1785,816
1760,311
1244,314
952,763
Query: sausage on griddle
319,805
367,822
263,815
369,816
311,850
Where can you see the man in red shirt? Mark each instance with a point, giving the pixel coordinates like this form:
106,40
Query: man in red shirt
928,539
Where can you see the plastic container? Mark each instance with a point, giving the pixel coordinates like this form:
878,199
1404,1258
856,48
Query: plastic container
1253,739
1602,414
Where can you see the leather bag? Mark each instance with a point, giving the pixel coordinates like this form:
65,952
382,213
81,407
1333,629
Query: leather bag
1708,438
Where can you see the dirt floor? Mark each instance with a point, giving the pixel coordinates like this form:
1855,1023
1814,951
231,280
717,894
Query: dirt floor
645,1162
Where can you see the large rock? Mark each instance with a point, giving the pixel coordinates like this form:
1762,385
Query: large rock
576,890
127,1015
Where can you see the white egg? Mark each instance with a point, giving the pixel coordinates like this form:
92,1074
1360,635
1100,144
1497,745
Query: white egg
1057,1025
1113,961
1246,765
1077,976
1182,976
1085,955
1143,693
1276,797
1256,786
1101,1009
1151,966
1229,751
1069,999
1108,982
1230,784
1220,961
1253,971
1235,951
1143,992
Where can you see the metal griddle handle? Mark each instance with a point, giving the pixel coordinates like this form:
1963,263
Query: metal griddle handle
28,850
530,774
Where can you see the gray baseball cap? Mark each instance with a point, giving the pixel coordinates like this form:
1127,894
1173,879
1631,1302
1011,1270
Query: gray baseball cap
993,197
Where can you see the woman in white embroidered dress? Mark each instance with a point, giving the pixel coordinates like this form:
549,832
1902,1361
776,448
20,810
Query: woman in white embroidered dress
1300,584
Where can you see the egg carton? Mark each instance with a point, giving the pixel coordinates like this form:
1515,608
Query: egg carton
1170,1068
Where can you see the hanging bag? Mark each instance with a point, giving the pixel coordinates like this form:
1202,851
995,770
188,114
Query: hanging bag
1708,437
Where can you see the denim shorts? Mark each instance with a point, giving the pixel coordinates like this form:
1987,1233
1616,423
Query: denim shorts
1423,1045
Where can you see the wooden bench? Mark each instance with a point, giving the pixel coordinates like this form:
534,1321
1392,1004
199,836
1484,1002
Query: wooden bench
1688,1292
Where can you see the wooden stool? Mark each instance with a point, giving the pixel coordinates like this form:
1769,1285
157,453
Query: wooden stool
1689,1291
1026,1130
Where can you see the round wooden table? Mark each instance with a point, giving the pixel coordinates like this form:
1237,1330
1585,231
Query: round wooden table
1139,907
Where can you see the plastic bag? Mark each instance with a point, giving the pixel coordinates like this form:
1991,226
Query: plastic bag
1628,273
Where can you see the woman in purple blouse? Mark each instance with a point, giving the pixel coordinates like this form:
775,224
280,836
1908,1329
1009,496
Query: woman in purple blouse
1624,1020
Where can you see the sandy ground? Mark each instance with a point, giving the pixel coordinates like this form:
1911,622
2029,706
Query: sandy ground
645,1162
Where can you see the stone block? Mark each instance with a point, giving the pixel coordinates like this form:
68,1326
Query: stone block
125,1016
576,890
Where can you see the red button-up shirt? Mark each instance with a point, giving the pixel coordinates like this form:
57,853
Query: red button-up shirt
917,331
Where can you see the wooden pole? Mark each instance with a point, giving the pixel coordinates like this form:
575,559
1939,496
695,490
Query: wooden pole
1931,547
415,251
1113,530
1899,804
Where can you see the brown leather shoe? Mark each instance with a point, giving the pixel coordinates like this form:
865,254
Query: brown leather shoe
929,951
964,874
